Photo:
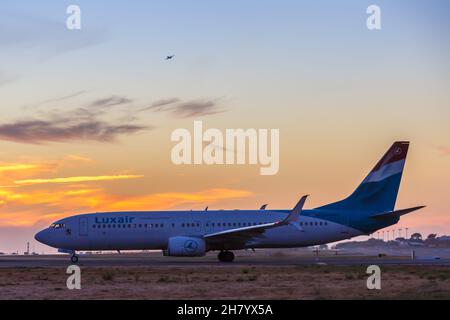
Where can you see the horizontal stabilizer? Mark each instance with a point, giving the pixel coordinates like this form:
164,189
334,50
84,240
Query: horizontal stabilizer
396,212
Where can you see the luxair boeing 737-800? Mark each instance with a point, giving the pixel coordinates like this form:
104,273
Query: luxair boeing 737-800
193,233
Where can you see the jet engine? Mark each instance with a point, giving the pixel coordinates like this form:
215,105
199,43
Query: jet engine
185,247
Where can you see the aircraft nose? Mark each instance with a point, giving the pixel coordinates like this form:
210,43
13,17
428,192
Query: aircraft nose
41,236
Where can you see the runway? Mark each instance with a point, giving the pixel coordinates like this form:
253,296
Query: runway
242,259
261,275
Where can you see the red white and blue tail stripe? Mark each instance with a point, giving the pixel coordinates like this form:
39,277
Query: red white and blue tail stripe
391,164
378,191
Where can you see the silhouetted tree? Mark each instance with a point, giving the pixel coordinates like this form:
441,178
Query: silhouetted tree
416,236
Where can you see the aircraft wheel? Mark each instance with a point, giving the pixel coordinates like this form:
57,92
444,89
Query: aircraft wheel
221,257
74,259
226,256
229,256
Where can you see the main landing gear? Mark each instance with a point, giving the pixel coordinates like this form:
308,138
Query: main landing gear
225,256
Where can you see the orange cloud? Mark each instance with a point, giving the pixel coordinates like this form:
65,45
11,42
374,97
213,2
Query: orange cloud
18,167
40,207
26,200
76,179
160,201
10,171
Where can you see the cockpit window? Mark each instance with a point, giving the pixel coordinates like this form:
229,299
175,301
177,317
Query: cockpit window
57,226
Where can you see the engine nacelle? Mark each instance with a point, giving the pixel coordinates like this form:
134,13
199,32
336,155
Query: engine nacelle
186,247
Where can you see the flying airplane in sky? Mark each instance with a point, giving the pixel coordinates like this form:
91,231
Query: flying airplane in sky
193,233
170,57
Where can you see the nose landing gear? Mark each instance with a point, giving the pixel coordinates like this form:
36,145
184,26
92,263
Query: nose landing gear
225,256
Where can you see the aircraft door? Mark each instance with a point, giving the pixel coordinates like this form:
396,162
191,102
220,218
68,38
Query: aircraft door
83,226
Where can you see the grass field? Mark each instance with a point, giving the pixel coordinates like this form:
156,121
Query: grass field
228,282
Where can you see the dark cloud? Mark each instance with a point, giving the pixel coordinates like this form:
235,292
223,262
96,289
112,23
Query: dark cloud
83,123
40,131
187,109
87,123
160,105
110,102
196,109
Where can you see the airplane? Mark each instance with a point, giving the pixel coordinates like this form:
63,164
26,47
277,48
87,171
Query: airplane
170,57
194,233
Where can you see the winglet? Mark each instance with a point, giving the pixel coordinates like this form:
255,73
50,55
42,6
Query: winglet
295,213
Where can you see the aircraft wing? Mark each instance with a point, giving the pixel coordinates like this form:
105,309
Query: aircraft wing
240,236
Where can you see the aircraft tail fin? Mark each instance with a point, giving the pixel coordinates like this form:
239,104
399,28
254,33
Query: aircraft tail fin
378,191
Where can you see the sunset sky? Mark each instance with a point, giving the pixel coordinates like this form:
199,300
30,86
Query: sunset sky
86,115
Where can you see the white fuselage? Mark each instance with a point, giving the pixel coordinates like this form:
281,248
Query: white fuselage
152,230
